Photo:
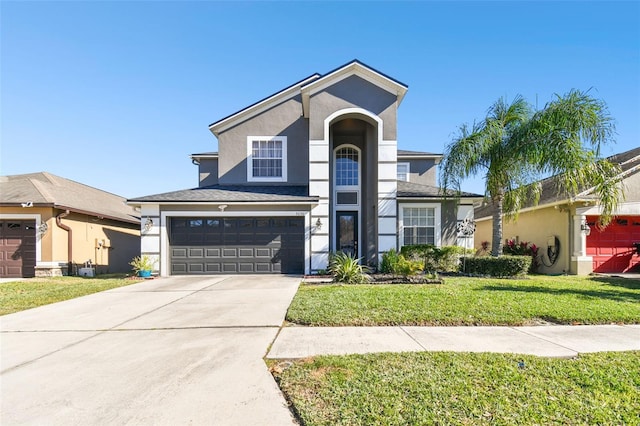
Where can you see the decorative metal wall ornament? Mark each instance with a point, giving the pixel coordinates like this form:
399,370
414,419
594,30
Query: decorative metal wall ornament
43,228
466,227
148,224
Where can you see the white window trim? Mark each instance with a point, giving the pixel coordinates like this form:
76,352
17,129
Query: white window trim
408,166
250,177
347,188
437,221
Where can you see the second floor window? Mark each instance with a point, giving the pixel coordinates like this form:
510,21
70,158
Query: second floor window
347,167
403,171
267,158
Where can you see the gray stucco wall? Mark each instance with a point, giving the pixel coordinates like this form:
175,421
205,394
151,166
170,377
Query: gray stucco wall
421,171
449,221
352,92
208,172
284,119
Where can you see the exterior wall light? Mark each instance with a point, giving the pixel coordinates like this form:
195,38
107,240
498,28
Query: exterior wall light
318,224
584,227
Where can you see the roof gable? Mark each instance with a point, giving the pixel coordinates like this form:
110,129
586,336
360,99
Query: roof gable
309,86
46,189
259,107
356,68
629,162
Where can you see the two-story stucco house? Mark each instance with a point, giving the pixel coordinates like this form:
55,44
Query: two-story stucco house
312,169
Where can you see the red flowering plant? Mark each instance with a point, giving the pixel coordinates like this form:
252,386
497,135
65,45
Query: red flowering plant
523,248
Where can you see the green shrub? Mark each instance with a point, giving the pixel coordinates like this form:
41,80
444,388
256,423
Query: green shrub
394,263
408,267
523,248
347,269
389,262
503,266
436,259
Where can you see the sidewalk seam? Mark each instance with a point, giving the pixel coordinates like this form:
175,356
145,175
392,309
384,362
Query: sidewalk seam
545,340
412,338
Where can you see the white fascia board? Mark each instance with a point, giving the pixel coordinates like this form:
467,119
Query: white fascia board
471,200
353,68
259,107
199,156
420,156
229,203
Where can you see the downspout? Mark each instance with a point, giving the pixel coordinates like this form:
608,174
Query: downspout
69,240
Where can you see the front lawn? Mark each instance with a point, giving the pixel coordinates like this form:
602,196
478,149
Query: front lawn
20,295
456,388
471,301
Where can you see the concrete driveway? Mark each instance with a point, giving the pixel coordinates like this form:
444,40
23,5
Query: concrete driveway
179,350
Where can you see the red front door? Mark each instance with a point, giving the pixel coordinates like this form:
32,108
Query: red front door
613,248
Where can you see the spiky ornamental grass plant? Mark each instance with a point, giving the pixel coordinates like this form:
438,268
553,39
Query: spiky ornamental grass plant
515,146
347,269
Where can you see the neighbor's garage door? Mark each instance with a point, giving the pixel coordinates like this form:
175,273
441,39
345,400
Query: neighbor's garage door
17,248
612,248
236,245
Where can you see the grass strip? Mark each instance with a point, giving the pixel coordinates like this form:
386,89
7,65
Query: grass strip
20,295
471,301
463,388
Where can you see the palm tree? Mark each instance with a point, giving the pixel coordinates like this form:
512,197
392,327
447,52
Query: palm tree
516,146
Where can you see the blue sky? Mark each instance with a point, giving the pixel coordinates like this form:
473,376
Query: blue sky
116,95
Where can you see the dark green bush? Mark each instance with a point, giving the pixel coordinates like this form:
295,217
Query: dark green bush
435,259
503,266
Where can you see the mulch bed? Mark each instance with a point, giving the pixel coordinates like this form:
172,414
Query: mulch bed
388,279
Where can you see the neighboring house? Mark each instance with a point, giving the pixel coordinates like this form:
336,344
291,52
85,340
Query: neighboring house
566,231
48,222
310,170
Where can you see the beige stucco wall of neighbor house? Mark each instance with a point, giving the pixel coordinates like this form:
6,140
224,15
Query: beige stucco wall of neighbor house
284,119
122,239
537,226
108,244
632,188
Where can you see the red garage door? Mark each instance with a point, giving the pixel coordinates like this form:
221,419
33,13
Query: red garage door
17,248
612,248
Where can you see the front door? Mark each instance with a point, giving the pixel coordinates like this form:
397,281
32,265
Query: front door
347,232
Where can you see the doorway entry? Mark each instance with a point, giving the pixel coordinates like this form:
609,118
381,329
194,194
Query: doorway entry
347,232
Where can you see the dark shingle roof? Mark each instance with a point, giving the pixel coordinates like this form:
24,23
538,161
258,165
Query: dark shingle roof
233,193
45,189
416,190
552,193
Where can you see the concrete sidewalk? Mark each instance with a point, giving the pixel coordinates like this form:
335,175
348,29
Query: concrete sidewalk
547,341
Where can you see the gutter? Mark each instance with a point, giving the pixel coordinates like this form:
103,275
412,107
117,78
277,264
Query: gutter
69,240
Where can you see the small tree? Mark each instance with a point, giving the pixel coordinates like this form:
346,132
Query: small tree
515,147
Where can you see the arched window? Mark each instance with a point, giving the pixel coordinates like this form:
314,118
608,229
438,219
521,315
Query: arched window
347,167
